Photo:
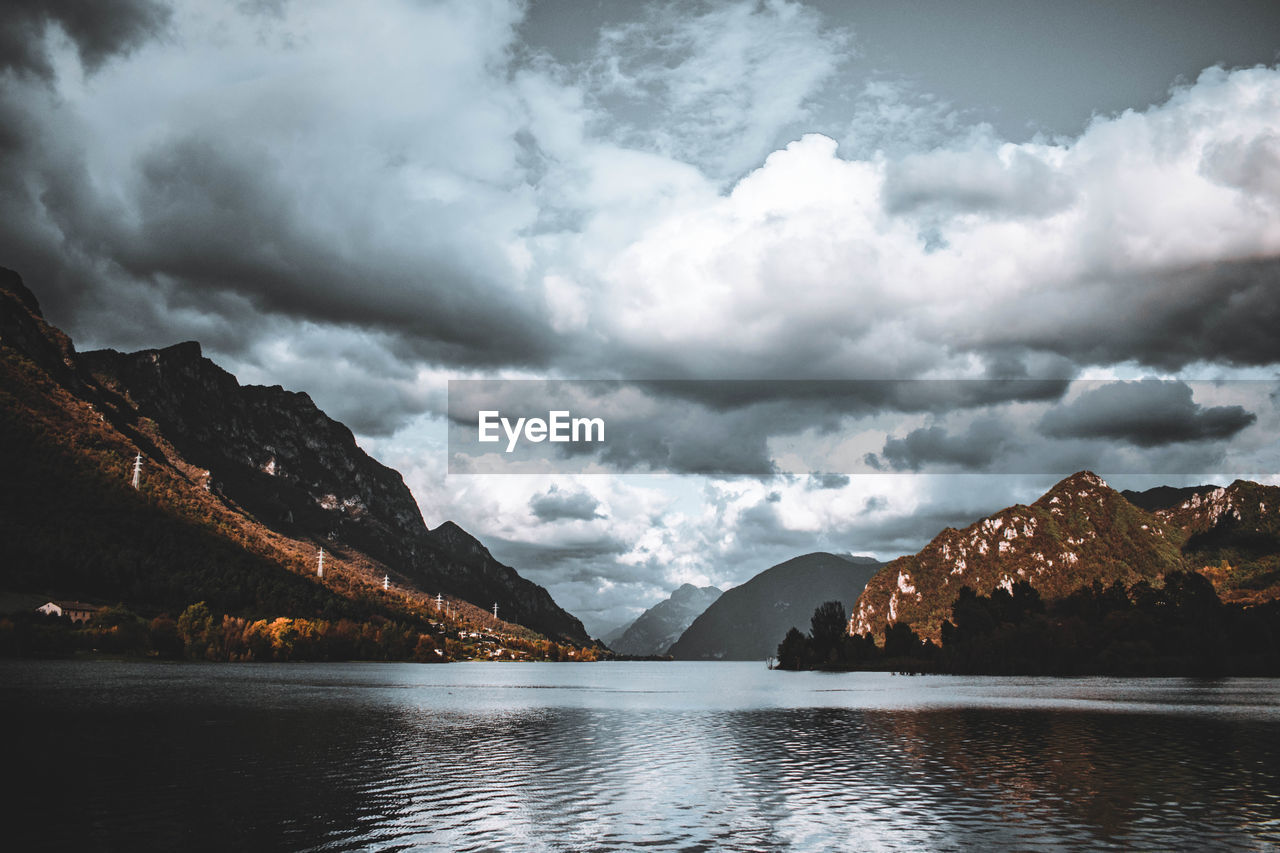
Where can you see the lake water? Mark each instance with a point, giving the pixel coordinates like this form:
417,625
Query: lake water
670,756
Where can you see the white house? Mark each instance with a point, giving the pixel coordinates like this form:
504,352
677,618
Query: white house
76,611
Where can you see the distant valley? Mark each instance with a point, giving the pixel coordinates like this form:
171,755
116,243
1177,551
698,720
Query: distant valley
654,631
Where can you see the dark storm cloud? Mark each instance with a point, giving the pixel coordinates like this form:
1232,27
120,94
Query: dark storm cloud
215,218
985,440
229,227
99,29
1225,312
863,396
1147,413
211,232
555,505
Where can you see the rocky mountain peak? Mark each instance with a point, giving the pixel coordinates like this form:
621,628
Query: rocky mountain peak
686,591
187,351
1078,531
12,284
1081,485
23,327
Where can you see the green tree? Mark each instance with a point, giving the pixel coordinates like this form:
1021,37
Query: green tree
193,626
827,630
164,637
900,641
793,651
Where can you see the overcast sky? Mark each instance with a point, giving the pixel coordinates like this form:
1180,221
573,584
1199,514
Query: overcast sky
363,201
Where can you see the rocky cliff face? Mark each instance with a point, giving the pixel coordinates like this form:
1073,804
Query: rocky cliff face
23,328
270,450
1082,530
658,628
1232,535
273,455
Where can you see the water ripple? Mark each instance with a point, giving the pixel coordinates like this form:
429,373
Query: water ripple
718,758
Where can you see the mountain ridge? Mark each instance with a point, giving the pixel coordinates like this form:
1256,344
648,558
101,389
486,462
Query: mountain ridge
1080,531
262,465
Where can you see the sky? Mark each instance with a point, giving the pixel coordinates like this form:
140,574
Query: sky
1043,236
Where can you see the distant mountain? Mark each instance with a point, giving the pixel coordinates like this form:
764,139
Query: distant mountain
655,630
748,621
241,486
1079,532
615,633
1164,497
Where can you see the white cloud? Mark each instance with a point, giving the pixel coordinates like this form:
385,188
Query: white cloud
815,265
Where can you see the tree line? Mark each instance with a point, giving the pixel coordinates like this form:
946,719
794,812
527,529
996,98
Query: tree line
199,634
1180,628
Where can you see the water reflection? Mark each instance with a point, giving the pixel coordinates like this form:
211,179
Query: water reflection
589,758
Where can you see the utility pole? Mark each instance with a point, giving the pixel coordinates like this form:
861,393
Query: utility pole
320,565
137,470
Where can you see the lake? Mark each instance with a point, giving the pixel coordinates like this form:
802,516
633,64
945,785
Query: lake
613,756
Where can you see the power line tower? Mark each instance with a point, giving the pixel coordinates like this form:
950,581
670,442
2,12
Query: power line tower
320,565
495,611
137,471
386,582
439,603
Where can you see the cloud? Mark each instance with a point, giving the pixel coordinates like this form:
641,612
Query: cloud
555,505
1115,246
985,440
1147,413
283,178
715,84
1249,165
993,180
97,29
827,480
893,117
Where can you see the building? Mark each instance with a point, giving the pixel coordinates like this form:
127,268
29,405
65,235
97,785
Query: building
76,611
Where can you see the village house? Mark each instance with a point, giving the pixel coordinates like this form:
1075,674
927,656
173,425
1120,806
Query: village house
76,611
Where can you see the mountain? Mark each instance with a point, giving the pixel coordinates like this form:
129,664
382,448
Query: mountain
1232,536
1164,497
1079,532
241,486
748,621
655,630
612,635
